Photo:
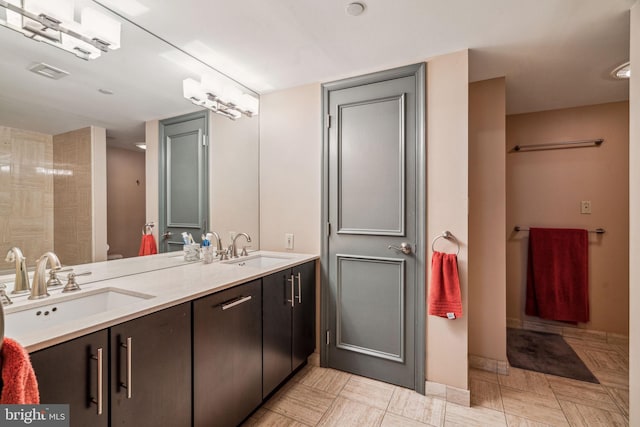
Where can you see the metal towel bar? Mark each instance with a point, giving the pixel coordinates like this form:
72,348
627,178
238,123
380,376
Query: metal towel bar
597,230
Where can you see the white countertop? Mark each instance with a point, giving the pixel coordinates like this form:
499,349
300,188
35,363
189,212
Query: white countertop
165,277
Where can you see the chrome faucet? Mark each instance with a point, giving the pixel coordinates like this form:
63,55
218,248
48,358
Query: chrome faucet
21,284
234,248
39,285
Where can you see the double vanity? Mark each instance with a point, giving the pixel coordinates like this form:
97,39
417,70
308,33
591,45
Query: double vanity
159,341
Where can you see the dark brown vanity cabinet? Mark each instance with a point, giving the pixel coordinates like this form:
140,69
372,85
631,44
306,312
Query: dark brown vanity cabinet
227,355
151,369
289,305
137,373
76,373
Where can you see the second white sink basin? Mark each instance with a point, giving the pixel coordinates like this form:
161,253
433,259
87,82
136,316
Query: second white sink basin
257,261
56,310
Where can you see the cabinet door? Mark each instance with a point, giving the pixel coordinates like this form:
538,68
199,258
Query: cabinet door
68,373
227,356
151,378
304,313
276,329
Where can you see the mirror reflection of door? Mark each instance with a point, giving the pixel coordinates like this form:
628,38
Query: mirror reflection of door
183,198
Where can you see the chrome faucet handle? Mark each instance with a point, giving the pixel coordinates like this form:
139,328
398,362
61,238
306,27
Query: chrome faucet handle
72,285
54,281
223,254
4,298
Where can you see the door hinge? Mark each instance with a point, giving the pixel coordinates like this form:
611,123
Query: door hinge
204,140
328,121
328,337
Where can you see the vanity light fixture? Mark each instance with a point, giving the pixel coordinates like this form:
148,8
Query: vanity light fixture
141,145
53,22
220,97
622,71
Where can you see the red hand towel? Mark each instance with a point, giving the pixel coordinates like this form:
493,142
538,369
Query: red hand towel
557,274
148,245
20,384
444,292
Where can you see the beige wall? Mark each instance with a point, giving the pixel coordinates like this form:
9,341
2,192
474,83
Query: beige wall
487,218
125,200
73,206
290,168
634,230
233,189
26,193
544,188
99,191
447,205
151,159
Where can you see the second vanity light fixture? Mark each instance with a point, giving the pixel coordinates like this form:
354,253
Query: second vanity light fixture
221,97
53,22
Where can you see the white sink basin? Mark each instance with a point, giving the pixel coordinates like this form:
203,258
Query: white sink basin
257,261
53,311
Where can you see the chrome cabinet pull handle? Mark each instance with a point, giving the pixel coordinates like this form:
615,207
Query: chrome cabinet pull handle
293,298
299,288
233,303
129,382
98,401
404,247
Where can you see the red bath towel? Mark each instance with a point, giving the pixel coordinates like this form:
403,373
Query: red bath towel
557,274
19,381
148,245
444,292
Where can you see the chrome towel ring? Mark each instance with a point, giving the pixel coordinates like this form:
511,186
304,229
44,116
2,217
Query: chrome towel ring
446,235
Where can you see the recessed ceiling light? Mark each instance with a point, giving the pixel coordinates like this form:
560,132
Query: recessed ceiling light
105,91
622,71
355,8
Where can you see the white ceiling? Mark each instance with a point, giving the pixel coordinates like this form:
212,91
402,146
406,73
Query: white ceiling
554,53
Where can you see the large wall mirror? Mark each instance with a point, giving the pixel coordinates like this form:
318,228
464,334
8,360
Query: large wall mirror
58,112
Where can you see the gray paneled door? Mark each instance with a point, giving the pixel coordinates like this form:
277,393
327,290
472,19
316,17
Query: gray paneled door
375,214
184,202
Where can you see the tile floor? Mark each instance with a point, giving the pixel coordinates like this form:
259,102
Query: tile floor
326,397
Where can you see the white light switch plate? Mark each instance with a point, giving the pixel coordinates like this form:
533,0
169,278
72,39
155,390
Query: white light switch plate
585,207
288,241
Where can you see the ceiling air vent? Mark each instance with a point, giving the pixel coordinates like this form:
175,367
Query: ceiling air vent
48,71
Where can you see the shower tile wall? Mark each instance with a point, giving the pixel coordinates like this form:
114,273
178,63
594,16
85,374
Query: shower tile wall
73,222
26,193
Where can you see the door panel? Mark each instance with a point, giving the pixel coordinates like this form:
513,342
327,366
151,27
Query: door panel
381,169
370,306
374,165
184,203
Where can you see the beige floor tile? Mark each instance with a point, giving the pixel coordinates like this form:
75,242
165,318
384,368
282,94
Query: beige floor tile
581,415
409,404
533,406
516,421
476,416
344,413
393,420
265,418
370,392
301,403
478,374
328,380
486,394
582,392
520,379
621,398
